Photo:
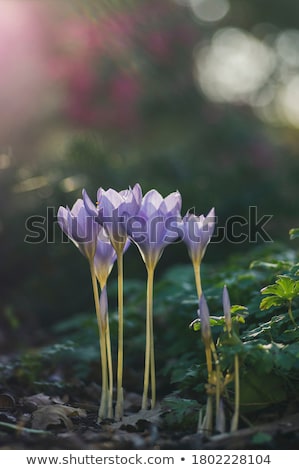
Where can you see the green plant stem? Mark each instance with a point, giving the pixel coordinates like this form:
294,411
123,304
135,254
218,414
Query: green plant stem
209,362
149,364
102,336
19,429
110,371
196,268
119,395
235,418
291,314
218,378
206,426
109,356
211,353
152,346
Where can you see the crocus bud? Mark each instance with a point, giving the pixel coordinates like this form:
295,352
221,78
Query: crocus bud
204,316
198,231
226,309
80,227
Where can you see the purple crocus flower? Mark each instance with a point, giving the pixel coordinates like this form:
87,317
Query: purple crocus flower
198,231
156,225
80,227
114,210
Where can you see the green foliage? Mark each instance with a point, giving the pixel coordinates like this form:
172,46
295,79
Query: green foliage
261,438
268,349
238,314
180,413
50,368
294,233
284,290
267,344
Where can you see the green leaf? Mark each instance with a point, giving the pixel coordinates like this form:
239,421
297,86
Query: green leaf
285,289
269,302
270,266
195,325
217,321
214,321
180,413
238,309
261,438
294,233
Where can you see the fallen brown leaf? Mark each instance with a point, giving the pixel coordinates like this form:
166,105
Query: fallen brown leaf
149,416
50,415
7,401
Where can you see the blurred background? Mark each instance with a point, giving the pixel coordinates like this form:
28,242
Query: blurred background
196,95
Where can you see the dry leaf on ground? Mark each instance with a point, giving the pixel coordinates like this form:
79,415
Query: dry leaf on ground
55,414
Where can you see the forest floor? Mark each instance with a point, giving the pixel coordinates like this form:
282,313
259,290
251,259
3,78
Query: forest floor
41,421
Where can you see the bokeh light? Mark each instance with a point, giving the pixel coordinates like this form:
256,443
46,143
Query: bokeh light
238,67
210,10
233,66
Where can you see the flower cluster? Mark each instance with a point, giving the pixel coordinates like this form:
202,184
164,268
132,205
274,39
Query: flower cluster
103,231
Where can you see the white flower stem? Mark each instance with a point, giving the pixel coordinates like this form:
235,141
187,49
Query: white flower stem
119,396
149,365
152,347
205,427
104,396
196,267
235,418
291,314
110,371
218,379
109,356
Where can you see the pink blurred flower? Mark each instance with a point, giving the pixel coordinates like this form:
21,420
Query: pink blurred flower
104,65
25,39
159,44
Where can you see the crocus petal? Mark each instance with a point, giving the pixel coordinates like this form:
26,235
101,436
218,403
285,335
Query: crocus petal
198,231
153,230
111,200
104,258
80,227
151,202
137,193
77,207
133,199
172,203
89,205
62,219
115,209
